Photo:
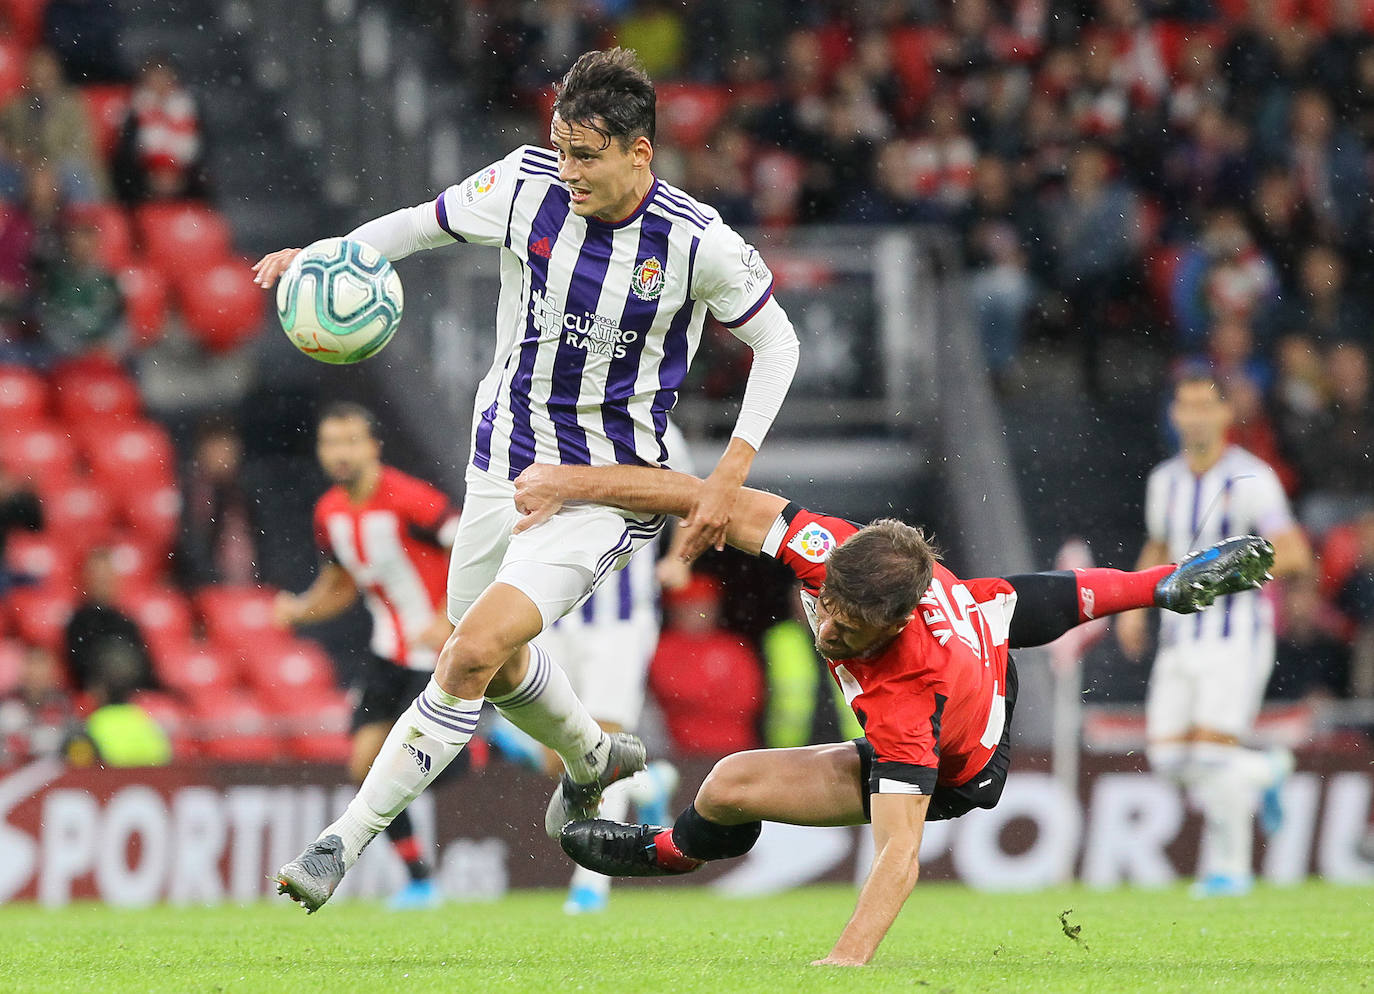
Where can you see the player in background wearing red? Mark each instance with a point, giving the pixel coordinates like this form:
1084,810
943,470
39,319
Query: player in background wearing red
922,658
385,536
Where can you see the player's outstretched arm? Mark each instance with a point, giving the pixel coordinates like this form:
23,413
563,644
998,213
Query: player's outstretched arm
898,821
541,490
332,593
268,269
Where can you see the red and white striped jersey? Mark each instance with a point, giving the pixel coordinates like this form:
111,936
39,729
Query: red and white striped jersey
394,545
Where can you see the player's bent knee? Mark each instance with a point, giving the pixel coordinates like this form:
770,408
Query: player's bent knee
467,661
725,792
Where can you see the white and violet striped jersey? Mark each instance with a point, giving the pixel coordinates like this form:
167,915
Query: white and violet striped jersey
1241,494
597,322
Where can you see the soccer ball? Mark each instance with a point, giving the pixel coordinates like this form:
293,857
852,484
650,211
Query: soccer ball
339,301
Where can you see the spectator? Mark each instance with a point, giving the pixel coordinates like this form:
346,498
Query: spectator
16,277
80,309
706,680
45,125
1000,285
1313,657
1283,225
1222,275
1327,162
1323,308
1336,57
219,519
161,150
19,508
1298,399
122,733
37,720
1338,458
654,29
103,643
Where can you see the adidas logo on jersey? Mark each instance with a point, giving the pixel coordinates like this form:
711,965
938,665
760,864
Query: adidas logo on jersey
541,248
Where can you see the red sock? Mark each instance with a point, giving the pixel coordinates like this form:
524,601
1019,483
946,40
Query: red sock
669,856
408,849
1111,591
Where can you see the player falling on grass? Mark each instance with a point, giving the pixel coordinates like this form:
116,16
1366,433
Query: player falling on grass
607,275
921,656
384,535
1209,675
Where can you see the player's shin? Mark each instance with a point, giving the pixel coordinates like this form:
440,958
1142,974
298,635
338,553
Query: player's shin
545,707
697,837
424,740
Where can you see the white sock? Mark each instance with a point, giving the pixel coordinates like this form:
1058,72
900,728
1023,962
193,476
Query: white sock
1227,791
1170,761
615,806
545,707
421,744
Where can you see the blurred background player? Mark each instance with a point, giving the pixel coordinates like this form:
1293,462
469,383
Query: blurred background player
607,276
384,535
1210,671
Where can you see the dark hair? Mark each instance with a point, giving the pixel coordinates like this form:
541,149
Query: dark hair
609,93
348,409
1196,373
879,574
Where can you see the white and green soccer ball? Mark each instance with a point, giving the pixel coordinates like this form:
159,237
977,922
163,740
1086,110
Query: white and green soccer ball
339,301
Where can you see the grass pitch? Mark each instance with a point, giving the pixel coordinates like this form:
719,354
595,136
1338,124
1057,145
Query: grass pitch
680,940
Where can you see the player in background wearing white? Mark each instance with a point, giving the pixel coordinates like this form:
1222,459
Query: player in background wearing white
1211,670
607,275
385,536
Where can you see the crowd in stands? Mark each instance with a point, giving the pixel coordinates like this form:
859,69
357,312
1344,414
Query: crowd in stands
1193,176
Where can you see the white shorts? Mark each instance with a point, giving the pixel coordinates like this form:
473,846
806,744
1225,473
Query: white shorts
557,563
1217,685
608,665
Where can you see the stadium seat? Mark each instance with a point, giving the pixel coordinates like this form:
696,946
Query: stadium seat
195,670
87,390
238,618
116,234
24,18
172,717
107,105
80,510
145,302
162,613
182,236
153,514
689,112
11,664
40,614
316,727
23,395
222,305
49,555
41,452
128,453
12,68
136,562
283,671
235,727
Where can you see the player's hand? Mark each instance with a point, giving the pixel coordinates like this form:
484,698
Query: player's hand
1131,634
833,960
536,496
705,527
269,267
286,610
673,573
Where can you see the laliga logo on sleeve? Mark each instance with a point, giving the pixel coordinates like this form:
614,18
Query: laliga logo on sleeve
813,543
647,283
480,184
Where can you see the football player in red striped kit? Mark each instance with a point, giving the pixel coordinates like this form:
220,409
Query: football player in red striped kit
386,536
922,657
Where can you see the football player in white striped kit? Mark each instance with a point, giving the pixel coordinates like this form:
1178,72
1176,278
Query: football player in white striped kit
1211,669
607,275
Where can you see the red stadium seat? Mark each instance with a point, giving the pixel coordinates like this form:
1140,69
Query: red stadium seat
23,395
25,19
222,305
106,108
12,68
145,302
52,556
11,664
235,727
195,670
239,618
283,671
182,236
40,614
116,234
128,454
137,563
86,390
689,112
41,452
80,510
316,727
172,717
153,514
163,613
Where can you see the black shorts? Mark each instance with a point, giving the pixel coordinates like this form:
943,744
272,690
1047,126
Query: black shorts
384,691
982,790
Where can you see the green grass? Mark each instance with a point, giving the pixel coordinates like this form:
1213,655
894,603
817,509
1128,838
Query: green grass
1311,938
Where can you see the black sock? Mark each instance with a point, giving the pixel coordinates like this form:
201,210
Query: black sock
402,835
701,838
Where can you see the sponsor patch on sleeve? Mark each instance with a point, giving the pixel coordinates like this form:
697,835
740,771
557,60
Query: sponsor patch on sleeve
813,543
479,184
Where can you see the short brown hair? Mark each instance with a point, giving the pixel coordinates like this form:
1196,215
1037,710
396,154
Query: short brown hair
878,575
1196,374
610,93
348,410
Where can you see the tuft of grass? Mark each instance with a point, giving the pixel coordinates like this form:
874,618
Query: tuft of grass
1315,937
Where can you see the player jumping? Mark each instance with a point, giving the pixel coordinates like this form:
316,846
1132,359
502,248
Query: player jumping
607,275
921,656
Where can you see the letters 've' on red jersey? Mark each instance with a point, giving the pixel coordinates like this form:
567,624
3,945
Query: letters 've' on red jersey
932,704
393,545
